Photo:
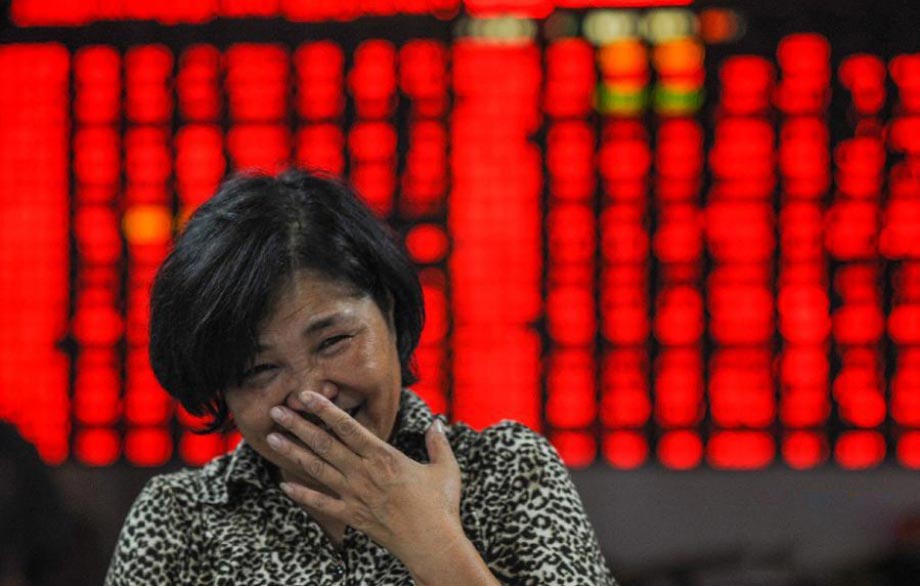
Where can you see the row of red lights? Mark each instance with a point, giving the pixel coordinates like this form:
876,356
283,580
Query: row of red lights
494,222
486,286
169,12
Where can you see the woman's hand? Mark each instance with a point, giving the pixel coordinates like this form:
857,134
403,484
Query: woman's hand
411,509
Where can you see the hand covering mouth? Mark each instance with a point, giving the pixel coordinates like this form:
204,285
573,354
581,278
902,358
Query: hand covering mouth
315,420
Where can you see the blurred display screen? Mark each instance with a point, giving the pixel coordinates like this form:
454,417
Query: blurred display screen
648,233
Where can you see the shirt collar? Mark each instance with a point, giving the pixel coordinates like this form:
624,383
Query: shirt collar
245,467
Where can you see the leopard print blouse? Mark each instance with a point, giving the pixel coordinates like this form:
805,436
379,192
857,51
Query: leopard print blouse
228,523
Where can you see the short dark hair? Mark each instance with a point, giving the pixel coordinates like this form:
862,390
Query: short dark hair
227,266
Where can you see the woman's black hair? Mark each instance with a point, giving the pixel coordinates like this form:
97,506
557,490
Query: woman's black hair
222,277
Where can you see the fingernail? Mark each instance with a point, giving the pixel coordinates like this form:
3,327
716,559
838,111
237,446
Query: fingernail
278,414
275,441
438,425
307,398
286,487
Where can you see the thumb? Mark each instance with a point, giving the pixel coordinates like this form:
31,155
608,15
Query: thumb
439,450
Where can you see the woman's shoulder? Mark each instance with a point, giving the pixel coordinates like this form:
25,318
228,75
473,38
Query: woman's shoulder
505,450
505,436
188,488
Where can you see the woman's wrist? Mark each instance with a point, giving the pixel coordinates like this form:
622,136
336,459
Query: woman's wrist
451,559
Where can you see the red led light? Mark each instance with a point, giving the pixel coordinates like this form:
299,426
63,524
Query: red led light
680,150
747,84
679,237
803,313
678,380
804,449
320,75
680,450
904,135
624,161
372,146
577,449
624,238
570,160
804,61
860,164
426,243
97,447
424,181
852,230
200,163
900,224
259,146
97,388
625,449
423,76
625,398
859,450
372,79
197,85
804,158
740,313
740,450
905,390
743,150
571,401
908,450
679,316
249,8
864,75
801,232
97,156
97,234
509,361
803,55
859,397
570,78
321,146
257,82
861,323
905,71
571,319
148,446
570,233
147,89
741,388
97,80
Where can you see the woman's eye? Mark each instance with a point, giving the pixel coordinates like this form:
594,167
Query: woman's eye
331,342
256,370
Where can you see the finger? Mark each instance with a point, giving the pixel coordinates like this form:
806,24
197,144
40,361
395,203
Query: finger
439,451
315,500
311,464
320,442
356,436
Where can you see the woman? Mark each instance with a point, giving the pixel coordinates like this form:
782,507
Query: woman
286,310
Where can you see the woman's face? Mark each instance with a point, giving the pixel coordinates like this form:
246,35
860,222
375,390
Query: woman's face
320,336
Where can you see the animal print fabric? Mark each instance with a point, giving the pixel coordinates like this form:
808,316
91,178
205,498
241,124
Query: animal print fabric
229,523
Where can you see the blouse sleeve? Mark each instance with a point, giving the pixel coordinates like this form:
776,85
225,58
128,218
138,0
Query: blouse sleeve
542,535
152,544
